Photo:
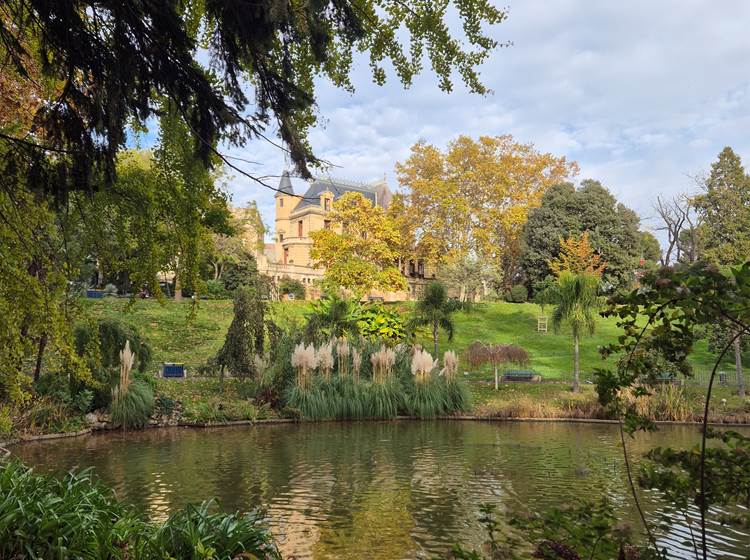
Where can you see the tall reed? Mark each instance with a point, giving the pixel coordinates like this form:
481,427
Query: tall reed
324,358
356,363
342,357
457,395
422,365
382,364
304,362
132,402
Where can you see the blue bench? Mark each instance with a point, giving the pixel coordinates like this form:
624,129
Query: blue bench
173,370
527,376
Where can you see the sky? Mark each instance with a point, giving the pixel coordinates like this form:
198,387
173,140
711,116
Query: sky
642,94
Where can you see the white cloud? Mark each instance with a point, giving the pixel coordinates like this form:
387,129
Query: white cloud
639,93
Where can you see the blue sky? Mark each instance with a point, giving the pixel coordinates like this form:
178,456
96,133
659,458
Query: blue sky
642,94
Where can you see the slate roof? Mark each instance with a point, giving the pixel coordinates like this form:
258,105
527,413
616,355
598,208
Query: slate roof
285,184
338,188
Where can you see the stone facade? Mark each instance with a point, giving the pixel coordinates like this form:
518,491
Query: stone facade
298,216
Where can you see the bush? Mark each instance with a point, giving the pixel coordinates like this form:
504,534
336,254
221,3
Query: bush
6,421
378,322
133,408
215,290
291,286
427,399
517,294
74,517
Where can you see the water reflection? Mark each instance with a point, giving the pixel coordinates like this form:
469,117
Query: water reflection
385,490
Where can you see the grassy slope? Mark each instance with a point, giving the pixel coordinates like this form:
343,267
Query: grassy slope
175,339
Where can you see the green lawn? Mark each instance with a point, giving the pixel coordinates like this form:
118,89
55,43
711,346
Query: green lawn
174,338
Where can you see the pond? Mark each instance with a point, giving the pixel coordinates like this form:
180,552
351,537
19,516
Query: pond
380,490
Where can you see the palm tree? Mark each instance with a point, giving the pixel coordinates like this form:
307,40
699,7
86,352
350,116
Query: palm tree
434,309
577,304
332,316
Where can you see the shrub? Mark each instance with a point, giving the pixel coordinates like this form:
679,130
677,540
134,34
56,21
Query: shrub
291,286
74,517
6,421
378,322
246,335
517,294
133,408
215,290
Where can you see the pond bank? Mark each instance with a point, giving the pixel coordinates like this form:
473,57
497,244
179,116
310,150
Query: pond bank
276,421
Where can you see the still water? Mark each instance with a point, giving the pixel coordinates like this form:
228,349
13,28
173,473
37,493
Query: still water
383,490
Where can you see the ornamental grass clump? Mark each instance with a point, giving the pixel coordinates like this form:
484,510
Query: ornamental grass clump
342,357
132,401
356,363
383,396
457,396
305,395
324,360
382,364
428,395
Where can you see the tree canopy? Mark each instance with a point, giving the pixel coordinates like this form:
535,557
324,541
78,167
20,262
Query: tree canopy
472,199
360,251
566,210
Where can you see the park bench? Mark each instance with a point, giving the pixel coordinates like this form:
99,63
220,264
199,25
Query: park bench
527,376
172,370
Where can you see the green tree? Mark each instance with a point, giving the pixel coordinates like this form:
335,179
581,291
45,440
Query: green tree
434,309
725,229
246,335
567,211
577,305
649,247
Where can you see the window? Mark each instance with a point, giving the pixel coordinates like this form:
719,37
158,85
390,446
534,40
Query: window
326,204
286,255
281,202
281,237
299,228
327,224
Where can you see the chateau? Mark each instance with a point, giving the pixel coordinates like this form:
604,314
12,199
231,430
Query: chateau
297,216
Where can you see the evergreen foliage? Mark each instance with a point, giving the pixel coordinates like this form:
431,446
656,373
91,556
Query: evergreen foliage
565,212
434,310
246,335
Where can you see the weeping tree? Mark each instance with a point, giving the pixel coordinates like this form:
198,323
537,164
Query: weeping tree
434,310
479,354
246,335
577,305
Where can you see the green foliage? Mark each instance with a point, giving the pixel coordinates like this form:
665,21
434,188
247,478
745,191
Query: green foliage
517,294
42,517
103,340
240,274
434,309
332,316
215,289
676,474
566,211
383,400
291,286
132,409
6,421
246,335
457,396
586,530
725,209
428,399
314,402
376,321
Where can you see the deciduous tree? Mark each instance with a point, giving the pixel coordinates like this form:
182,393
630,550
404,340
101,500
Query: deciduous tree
472,199
360,251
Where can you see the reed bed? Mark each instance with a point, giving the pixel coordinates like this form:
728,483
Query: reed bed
384,394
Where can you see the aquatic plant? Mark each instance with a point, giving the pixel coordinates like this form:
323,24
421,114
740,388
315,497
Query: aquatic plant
384,399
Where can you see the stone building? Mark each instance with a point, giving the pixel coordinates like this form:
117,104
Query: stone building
298,216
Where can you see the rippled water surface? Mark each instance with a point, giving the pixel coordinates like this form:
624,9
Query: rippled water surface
385,490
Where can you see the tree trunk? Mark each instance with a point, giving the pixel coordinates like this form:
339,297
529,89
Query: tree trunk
39,356
216,270
435,337
576,365
496,379
738,367
177,284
